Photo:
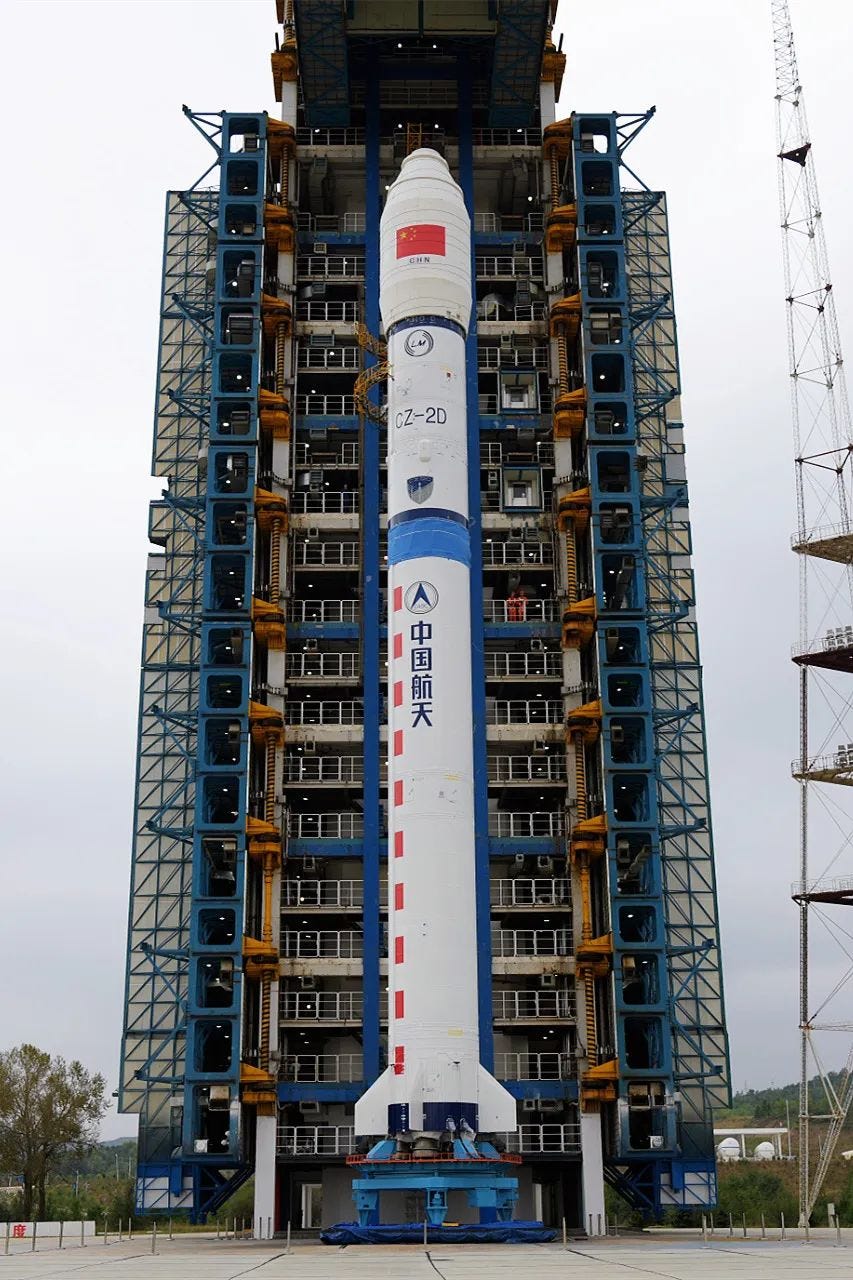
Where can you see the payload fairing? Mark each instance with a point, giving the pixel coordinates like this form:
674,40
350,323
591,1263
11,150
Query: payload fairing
434,1080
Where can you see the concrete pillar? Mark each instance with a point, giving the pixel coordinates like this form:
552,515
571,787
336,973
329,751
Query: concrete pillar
592,1173
265,1206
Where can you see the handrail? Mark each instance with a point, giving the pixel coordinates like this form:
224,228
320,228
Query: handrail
349,712
322,944
525,712
509,943
527,891
325,826
540,823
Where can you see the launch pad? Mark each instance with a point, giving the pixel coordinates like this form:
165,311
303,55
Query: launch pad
480,1171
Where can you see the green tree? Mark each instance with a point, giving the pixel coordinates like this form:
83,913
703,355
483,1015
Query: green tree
48,1107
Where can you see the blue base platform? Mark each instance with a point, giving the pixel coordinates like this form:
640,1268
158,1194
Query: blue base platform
343,1233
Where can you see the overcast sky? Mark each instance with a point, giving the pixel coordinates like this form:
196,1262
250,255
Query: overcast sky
92,94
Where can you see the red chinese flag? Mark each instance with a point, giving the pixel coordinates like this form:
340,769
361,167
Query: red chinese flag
423,237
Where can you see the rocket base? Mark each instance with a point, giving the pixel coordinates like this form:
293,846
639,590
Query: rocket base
476,1168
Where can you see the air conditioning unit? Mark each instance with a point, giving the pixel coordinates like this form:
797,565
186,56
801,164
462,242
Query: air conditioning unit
493,480
548,981
200,1146
539,746
307,982
310,864
623,852
320,248
655,1142
530,1104
309,1108
544,864
312,531
311,645
537,644
518,861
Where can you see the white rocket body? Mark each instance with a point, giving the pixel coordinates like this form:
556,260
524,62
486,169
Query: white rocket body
434,1079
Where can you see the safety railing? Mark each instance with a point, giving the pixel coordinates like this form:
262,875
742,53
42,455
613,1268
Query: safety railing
506,137
326,137
509,943
326,770
539,664
534,356
501,313
325,405
494,455
497,554
333,267
520,610
325,944
322,666
317,455
530,1006
534,1066
322,1068
513,265
321,1006
334,358
492,223
325,826
334,312
539,823
322,611
317,713
315,1140
518,711
329,502
538,768
545,1138
325,555
331,223
335,895
524,891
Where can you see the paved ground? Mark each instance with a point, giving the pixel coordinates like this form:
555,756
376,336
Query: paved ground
660,1256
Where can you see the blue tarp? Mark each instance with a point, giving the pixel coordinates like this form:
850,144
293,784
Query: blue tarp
413,1233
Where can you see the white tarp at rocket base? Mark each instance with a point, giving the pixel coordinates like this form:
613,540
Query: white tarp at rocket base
434,1073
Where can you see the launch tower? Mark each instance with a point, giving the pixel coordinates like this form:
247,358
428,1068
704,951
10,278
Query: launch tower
257,1010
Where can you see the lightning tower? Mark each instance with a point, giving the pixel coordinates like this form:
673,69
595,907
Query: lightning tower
824,650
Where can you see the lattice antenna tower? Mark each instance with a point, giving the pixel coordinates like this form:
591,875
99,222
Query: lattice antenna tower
824,543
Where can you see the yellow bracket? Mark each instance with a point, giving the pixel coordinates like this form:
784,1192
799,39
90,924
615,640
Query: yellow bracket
586,721
268,624
281,137
275,312
570,414
574,508
579,623
561,228
558,136
263,840
265,722
566,316
553,65
279,227
274,414
270,507
588,838
284,63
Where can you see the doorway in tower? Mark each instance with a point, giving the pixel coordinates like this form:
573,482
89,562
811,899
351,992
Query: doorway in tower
312,1205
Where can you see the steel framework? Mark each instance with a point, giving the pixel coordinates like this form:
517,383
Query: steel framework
824,543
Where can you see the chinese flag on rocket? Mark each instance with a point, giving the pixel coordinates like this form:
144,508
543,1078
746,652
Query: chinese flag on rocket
422,237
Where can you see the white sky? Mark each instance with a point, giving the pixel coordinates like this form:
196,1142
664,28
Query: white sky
91,94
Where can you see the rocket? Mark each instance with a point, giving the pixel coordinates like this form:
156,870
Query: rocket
434,1081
